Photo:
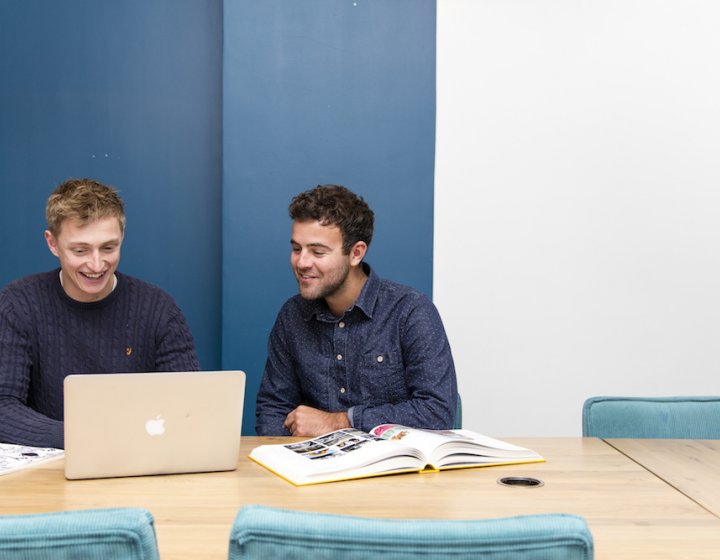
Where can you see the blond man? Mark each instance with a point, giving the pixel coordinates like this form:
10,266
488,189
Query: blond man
84,317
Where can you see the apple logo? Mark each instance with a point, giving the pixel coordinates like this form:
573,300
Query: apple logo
155,426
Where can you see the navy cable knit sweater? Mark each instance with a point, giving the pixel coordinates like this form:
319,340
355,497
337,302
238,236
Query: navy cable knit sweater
45,336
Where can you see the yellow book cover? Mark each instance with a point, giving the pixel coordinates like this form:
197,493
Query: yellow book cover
387,449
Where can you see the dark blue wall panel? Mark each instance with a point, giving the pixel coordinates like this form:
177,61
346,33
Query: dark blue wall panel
129,93
321,91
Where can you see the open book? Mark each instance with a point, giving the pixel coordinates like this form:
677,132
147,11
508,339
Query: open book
387,449
16,457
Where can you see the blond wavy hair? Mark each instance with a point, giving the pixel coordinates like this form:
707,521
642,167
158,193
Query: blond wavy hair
85,200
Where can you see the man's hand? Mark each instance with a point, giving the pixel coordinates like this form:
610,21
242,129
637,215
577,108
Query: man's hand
310,422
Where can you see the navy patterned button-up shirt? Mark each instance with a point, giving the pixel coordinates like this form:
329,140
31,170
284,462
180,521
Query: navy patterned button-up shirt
386,360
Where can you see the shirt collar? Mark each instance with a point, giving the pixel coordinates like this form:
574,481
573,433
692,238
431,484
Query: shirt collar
369,293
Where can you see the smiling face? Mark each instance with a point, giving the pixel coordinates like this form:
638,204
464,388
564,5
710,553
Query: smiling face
322,269
318,262
89,255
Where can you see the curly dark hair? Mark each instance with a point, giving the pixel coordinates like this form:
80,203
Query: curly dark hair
337,206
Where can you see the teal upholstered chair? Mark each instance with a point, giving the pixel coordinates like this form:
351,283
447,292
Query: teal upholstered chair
653,417
262,532
100,534
458,414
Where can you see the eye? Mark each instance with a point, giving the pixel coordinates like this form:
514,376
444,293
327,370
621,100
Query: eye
78,251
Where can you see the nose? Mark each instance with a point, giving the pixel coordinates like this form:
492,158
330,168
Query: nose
95,261
304,259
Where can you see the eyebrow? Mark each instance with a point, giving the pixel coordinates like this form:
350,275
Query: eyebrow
83,244
320,245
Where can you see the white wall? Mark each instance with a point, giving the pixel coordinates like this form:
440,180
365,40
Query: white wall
577,212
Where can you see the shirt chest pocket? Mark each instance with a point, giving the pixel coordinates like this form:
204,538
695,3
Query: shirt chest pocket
382,378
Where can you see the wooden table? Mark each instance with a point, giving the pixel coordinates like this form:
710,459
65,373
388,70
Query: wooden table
691,466
632,513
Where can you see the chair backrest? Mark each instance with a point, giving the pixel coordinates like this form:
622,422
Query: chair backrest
262,532
104,534
652,417
458,414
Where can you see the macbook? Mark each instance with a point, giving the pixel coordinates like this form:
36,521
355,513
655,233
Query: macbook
132,424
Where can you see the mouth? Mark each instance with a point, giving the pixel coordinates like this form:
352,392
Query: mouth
306,281
93,276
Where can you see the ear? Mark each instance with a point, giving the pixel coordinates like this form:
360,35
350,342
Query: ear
51,243
357,253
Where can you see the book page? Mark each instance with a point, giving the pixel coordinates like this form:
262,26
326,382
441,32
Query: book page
15,457
426,441
467,447
347,452
462,447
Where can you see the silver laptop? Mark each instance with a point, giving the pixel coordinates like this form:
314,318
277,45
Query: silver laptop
132,424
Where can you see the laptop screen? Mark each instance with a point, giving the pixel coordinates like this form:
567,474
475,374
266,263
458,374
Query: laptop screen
131,424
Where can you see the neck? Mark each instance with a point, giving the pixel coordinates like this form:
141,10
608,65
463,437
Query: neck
344,299
114,285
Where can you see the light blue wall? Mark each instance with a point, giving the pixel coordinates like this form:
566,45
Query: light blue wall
127,93
321,91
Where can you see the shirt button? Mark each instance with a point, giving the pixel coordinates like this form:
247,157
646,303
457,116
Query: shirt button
342,390
339,356
341,324
380,359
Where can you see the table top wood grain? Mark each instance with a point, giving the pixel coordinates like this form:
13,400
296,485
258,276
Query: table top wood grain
631,512
691,466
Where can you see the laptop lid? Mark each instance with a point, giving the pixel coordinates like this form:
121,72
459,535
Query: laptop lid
132,424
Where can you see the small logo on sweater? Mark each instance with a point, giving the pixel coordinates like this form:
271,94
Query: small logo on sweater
128,351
